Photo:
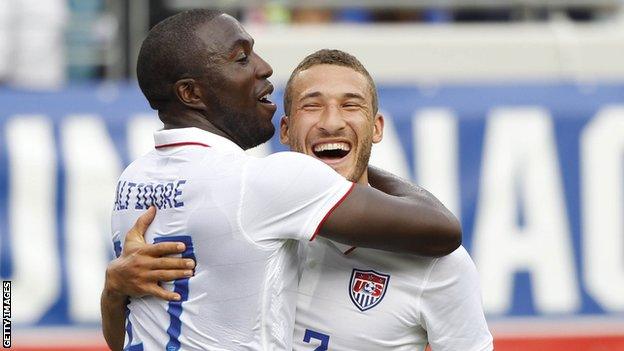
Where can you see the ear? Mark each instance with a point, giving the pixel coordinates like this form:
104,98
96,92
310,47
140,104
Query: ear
284,130
378,125
188,93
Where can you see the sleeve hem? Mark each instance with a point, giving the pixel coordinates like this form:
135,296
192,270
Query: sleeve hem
344,196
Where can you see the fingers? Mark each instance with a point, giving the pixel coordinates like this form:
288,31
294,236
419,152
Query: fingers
140,282
168,275
164,294
171,263
137,232
164,249
145,219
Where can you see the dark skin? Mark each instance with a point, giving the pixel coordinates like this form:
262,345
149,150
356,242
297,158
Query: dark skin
223,96
399,218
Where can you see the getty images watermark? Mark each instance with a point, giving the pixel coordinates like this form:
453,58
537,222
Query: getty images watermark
6,314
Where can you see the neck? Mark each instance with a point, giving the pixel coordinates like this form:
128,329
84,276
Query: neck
363,178
190,119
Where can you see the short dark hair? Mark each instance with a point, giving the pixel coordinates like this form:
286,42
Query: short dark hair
169,53
330,57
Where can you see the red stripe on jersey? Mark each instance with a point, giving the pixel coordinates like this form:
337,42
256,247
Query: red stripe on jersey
318,228
182,144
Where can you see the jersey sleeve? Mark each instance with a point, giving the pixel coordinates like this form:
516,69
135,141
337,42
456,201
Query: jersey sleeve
451,307
287,195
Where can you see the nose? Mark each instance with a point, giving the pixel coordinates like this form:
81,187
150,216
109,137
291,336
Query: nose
331,120
263,69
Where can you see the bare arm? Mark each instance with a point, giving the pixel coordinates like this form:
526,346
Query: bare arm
394,185
137,272
113,308
400,217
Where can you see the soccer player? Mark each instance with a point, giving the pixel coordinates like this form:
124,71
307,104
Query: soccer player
364,299
238,217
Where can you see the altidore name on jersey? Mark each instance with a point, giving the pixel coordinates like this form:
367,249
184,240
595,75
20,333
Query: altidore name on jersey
140,196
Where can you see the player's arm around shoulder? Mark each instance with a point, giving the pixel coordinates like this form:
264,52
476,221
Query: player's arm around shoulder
451,305
294,196
394,215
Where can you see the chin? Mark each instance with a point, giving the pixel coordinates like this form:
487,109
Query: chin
355,174
352,178
257,137
349,174
260,141
268,133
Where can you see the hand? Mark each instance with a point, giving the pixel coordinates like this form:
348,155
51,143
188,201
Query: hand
141,266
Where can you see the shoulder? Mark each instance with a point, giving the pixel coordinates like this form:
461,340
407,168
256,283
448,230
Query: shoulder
457,260
286,195
458,257
287,160
455,267
137,165
451,308
288,167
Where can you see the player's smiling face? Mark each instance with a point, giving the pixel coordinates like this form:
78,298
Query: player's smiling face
331,118
235,85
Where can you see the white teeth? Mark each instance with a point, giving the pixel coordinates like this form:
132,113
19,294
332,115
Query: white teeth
332,146
265,97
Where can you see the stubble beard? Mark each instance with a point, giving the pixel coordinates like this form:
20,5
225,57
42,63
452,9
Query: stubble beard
247,130
361,159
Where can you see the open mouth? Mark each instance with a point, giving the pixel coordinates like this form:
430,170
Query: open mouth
265,99
264,95
331,151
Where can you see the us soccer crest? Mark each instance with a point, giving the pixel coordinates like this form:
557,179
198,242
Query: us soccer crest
367,288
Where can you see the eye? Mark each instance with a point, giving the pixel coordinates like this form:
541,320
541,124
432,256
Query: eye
311,107
242,58
351,106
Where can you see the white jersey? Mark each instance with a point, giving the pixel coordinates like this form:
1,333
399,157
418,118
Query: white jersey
237,215
364,299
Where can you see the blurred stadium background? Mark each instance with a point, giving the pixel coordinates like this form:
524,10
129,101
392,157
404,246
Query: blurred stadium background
510,111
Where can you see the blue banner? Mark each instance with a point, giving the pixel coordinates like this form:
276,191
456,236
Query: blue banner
534,171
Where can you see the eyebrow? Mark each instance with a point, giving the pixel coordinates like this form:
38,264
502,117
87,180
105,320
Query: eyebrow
311,95
354,95
345,95
242,42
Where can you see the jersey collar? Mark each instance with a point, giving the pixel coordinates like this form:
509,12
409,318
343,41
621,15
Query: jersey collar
178,137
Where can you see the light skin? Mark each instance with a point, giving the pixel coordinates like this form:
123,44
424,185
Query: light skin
226,99
333,105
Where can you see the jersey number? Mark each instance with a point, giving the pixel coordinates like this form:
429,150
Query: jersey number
323,338
180,286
